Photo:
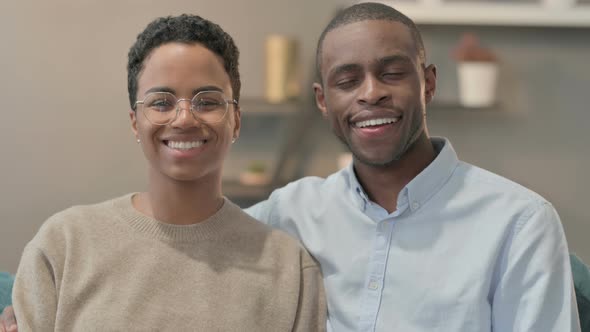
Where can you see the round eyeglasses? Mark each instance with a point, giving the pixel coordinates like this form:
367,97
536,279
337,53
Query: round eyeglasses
162,108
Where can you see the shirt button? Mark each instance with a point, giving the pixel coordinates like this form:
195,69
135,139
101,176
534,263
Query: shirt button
373,285
381,241
415,205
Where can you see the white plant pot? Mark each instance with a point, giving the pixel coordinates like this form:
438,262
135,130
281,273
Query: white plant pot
477,83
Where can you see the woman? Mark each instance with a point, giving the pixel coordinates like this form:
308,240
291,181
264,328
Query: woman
179,256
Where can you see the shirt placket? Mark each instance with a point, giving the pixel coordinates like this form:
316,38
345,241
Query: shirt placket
373,290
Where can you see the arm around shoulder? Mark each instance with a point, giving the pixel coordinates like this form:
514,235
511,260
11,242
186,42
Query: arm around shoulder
7,320
534,286
260,211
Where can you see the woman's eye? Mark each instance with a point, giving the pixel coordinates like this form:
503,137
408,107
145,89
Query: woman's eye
161,105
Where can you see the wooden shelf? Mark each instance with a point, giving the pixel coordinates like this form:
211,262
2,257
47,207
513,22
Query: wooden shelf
456,106
494,14
246,195
236,190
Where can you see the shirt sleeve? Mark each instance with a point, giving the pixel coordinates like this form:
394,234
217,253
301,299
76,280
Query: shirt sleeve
535,288
312,309
262,211
34,294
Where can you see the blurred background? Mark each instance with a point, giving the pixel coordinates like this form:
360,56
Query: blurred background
65,138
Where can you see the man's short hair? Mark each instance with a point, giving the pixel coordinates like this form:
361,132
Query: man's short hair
187,29
369,11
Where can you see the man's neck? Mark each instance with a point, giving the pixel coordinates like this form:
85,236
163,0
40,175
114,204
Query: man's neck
383,183
180,202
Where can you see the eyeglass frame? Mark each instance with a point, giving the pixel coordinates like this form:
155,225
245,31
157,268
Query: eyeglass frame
191,109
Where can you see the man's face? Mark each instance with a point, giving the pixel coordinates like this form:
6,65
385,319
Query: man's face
374,89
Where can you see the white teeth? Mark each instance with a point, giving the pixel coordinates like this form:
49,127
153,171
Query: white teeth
375,122
184,145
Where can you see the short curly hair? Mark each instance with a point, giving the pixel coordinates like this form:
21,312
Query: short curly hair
187,29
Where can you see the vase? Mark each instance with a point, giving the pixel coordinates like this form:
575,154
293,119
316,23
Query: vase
477,83
282,69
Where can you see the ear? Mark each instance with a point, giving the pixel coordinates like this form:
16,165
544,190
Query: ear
320,99
133,118
429,83
237,121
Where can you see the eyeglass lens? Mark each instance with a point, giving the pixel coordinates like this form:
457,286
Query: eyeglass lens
161,107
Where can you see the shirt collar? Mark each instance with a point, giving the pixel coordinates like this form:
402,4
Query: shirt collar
356,189
424,185
435,175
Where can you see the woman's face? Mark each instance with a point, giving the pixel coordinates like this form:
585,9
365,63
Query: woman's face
189,148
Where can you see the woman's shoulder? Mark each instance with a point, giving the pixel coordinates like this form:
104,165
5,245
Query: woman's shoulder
76,220
79,213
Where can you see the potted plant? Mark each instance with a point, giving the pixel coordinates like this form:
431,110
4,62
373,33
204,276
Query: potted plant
477,72
255,175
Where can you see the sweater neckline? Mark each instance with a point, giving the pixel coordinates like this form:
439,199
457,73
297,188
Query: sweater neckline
212,227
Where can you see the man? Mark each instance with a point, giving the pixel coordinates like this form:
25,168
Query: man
409,238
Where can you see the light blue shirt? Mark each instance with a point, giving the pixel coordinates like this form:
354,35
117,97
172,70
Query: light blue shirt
466,250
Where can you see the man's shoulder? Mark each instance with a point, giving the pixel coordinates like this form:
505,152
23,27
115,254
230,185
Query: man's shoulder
299,197
248,230
479,181
314,187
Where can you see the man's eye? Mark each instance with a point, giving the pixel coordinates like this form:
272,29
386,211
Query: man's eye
344,84
393,75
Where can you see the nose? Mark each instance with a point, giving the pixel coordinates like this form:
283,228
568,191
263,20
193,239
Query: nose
185,117
372,91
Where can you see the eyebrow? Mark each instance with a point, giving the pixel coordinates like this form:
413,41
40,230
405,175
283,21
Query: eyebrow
159,89
172,91
392,59
207,88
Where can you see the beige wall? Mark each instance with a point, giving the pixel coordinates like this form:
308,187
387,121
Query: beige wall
65,136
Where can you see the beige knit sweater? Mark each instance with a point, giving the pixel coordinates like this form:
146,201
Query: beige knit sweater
106,267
